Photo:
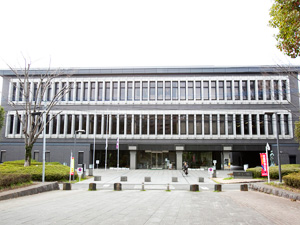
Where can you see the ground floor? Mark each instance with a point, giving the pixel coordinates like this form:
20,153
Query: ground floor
154,156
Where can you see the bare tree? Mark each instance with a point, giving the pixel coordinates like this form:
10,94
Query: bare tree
34,103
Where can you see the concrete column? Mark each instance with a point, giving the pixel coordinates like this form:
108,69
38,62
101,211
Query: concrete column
179,160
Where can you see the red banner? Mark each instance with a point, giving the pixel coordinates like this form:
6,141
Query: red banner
264,165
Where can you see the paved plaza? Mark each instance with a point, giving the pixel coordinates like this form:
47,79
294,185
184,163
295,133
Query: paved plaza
153,206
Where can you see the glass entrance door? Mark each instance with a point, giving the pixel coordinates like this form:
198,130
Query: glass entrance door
156,160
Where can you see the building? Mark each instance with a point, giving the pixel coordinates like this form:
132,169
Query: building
162,116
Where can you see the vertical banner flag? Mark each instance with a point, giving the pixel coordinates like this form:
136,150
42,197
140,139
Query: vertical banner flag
117,145
72,166
264,165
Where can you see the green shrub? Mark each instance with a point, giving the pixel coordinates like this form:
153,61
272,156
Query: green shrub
274,173
6,180
292,180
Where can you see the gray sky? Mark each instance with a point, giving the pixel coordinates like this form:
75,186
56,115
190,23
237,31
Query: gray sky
72,33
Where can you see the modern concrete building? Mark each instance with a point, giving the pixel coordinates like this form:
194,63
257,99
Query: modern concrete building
162,116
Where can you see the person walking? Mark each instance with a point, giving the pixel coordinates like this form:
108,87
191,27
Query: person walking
185,168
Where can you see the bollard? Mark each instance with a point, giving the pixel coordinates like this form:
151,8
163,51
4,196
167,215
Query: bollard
218,187
90,172
67,186
244,187
168,187
194,187
143,186
97,178
174,179
201,179
123,178
92,187
117,186
147,179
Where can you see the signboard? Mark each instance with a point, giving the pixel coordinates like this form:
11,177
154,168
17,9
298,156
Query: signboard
210,170
97,161
264,165
79,170
72,166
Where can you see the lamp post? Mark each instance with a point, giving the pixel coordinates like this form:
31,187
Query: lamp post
77,131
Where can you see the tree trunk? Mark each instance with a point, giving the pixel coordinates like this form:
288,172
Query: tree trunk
28,149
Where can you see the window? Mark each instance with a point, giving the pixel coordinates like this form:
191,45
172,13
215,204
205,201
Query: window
106,124
84,122
230,124
246,124
69,124
85,90
47,124
252,90
99,123
159,90
76,122
286,124
270,124
54,125
152,124
137,90
191,124
144,124
62,124
283,86
279,123
268,89
115,91
92,91
128,126
206,125
71,91
191,90
238,124
56,89
121,124
221,90
114,124
198,90
167,124
78,91
122,91
276,90
182,124
182,90
245,89
80,157
237,90
11,127
175,124
100,91
152,90
260,90
18,125
198,124
35,86
262,124
21,92
213,90
136,124
254,124
175,90
145,90
160,125
14,91
91,124
222,124
229,90
168,90
214,124
129,90
205,90
107,91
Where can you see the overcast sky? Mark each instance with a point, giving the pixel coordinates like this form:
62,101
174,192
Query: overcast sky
129,33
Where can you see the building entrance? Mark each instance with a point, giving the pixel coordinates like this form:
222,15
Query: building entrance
154,159
157,160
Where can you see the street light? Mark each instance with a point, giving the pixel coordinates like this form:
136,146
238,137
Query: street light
277,139
77,131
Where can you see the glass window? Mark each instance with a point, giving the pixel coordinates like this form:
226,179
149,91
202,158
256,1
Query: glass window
262,124
121,124
286,124
84,122
78,91
182,124
80,157
145,90
106,124
229,90
199,124
270,124
92,91
152,124
246,124
175,90
160,125
191,90
175,125
221,90
113,124
182,90
35,85
213,90
254,124
21,92
237,90
168,90
129,90
152,90
122,91
279,124
85,90
62,124
159,90
99,124
268,89
167,124
276,90
222,124
144,124
214,124
128,126
11,127
100,91
71,92
283,89
205,90
56,88
198,90
107,91
238,124
14,91
18,125
69,124
136,124
245,89
206,125
230,124
252,89
64,88
191,124
137,90
260,90
47,125
115,91
54,125
76,122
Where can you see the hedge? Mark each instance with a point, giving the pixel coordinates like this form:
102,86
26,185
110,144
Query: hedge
292,180
6,180
286,169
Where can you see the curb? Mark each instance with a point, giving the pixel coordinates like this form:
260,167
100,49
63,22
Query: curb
31,190
275,191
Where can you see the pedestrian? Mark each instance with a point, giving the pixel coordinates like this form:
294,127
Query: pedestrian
185,168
